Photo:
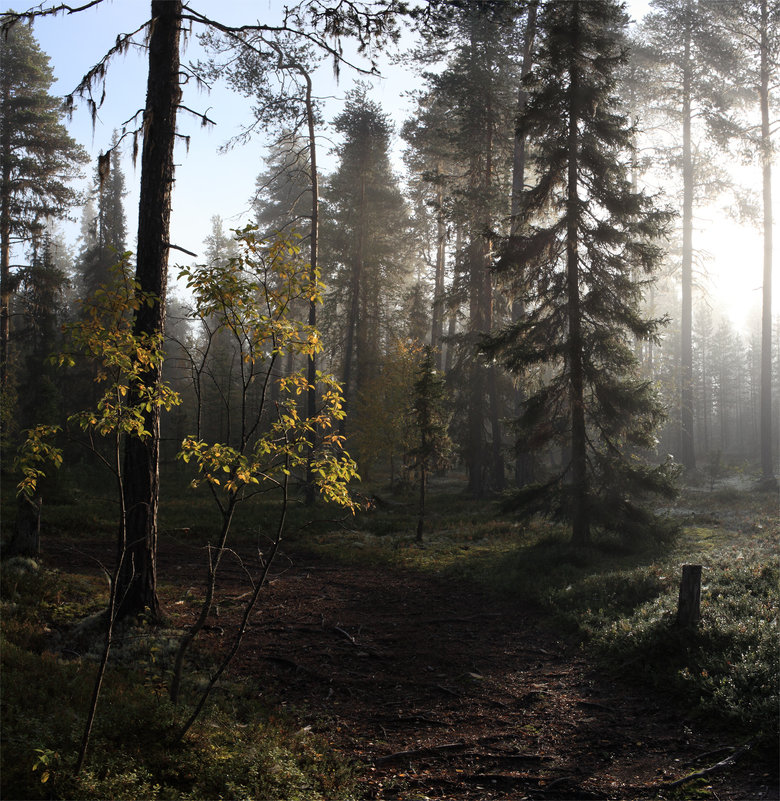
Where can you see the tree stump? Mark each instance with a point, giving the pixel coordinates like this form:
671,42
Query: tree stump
689,604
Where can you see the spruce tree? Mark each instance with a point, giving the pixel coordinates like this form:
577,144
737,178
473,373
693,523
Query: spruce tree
430,418
585,236
363,230
37,161
104,227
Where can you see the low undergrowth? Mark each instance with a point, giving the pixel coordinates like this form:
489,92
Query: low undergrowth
621,597
239,750
729,665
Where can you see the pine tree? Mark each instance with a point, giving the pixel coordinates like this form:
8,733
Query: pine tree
104,227
689,58
38,159
363,234
464,135
586,235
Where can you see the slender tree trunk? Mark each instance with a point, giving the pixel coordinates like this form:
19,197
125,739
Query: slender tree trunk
580,514
475,458
687,452
494,401
423,488
437,323
454,305
311,367
767,461
5,242
524,463
26,540
137,591
354,311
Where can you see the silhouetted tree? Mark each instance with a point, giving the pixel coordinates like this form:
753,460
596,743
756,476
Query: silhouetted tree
584,235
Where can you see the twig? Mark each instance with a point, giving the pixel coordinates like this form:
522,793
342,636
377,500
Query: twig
346,634
418,752
466,619
700,774
354,642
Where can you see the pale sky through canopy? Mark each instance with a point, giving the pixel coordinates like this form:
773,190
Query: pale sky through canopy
209,182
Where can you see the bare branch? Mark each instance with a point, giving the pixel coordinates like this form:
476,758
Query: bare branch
203,117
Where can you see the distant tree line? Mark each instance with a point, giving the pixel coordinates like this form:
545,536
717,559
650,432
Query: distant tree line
560,297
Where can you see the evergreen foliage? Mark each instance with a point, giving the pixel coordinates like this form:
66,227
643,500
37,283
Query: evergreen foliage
365,225
688,59
430,418
585,237
104,227
38,159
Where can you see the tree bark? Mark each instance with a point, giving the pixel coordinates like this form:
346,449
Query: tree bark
767,461
137,590
437,312
524,463
5,243
687,452
579,477
353,315
475,457
311,367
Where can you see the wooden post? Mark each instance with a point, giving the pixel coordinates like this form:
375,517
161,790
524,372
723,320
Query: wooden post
688,607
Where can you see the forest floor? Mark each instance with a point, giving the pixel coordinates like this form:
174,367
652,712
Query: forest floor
437,690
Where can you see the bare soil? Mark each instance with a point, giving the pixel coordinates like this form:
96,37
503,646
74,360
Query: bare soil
436,691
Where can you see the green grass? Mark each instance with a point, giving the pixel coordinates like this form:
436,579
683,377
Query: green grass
619,597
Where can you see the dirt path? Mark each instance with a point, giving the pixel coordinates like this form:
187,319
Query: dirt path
439,693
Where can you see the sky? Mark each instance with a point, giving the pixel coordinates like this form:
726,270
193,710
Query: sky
210,182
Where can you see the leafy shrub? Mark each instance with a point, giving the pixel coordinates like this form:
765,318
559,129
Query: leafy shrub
236,752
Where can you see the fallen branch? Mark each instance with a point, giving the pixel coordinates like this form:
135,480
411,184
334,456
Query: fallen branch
419,752
466,619
704,772
420,719
365,649
445,690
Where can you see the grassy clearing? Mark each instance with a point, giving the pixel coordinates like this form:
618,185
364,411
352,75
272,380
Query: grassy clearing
618,596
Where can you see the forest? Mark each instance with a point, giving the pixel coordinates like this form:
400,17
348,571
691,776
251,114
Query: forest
442,474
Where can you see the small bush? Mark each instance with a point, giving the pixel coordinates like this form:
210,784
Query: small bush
235,752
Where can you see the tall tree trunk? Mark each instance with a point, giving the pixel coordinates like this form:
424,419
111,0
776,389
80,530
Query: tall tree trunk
524,463
437,312
580,514
137,588
353,318
5,242
687,452
311,368
475,457
453,306
767,461
494,401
